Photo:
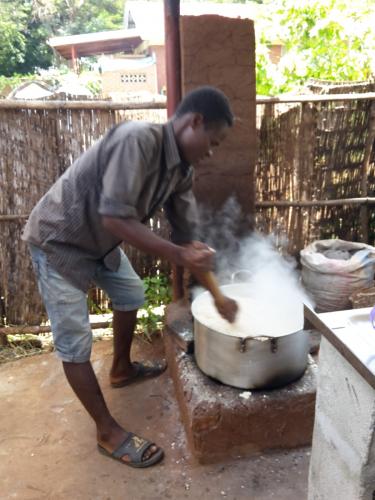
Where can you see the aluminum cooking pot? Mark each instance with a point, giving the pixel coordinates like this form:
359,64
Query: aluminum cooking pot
250,362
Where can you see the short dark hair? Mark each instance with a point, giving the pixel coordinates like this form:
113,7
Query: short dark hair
210,102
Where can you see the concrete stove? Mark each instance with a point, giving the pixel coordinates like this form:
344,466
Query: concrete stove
220,420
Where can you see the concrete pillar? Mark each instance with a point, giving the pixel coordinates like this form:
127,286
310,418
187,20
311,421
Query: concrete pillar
220,51
343,453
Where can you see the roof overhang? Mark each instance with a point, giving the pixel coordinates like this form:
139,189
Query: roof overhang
104,42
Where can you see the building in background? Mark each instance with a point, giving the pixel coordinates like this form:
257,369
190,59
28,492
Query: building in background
132,60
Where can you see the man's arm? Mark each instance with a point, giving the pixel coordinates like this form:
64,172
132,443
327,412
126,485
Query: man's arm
197,257
132,231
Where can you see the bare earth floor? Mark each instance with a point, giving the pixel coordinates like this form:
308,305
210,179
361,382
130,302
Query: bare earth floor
48,448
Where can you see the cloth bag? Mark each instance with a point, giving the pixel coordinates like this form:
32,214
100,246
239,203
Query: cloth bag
333,269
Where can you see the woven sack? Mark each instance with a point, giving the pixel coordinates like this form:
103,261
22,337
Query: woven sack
331,281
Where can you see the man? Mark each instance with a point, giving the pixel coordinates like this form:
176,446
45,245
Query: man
74,234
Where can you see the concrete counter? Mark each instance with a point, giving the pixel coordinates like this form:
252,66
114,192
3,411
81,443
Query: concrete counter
343,451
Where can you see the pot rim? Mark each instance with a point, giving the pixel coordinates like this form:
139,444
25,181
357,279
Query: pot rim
248,338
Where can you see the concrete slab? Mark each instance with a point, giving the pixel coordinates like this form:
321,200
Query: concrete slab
48,447
343,456
221,420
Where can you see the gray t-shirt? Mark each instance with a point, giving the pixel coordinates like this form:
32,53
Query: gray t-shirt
132,171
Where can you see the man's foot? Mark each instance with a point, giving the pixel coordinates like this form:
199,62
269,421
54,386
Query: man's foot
131,450
140,371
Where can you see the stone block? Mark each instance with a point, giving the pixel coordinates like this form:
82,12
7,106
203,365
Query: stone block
343,452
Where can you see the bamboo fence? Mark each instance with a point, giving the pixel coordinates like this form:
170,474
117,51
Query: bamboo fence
315,171
38,141
314,175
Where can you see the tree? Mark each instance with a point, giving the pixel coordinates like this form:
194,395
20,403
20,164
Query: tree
73,17
26,26
13,42
324,39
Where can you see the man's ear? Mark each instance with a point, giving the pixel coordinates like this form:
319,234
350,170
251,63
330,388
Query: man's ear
197,120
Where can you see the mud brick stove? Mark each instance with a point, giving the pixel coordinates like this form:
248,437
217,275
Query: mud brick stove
221,420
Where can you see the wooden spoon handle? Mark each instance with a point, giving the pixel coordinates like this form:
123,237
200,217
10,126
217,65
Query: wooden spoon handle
208,280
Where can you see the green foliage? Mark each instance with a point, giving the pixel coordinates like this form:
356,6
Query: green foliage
9,82
324,39
26,26
76,17
158,295
13,41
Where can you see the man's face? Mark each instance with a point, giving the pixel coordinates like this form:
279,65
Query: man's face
199,140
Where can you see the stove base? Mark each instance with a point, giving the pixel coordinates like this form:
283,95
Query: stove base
222,421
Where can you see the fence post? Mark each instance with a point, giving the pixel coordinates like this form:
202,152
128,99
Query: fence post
364,215
305,158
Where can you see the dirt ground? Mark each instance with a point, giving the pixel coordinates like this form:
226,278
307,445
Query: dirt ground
48,448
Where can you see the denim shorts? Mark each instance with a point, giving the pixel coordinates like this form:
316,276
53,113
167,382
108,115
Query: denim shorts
67,308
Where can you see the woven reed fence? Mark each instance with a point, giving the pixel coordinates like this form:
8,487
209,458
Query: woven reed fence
315,171
38,141
314,176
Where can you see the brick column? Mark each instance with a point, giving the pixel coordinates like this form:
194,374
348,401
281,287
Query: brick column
220,51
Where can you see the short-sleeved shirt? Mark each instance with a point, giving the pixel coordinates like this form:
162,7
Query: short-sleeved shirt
131,172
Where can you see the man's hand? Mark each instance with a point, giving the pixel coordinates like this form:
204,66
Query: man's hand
197,257
227,308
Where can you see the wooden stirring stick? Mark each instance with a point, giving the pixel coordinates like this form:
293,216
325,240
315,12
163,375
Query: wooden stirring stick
226,306
209,281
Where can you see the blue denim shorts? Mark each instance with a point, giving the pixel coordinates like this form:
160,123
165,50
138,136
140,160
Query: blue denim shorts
67,308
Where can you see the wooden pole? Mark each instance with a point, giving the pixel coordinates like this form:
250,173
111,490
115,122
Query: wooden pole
8,218
93,104
314,203
36,330
173,68
106,105
172,54
365,171
73,54
318,98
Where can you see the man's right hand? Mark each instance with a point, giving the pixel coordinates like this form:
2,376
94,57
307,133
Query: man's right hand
197,257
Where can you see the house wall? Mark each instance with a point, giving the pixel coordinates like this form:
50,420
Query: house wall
220,51
117,83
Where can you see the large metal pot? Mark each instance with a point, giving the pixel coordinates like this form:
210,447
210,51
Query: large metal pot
250,362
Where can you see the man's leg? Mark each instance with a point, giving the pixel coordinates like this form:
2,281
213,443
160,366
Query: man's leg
123,371
126,291
84,383
67,310
123,329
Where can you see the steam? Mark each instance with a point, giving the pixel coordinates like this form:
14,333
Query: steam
272,276
259,260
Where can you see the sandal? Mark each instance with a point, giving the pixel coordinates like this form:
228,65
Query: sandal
134,447
143,371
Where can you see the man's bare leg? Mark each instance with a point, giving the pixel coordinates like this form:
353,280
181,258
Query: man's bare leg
123,330
84,383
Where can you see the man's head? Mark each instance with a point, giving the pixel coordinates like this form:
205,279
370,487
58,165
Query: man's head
201,122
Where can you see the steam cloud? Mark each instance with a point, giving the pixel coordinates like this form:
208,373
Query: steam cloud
254,258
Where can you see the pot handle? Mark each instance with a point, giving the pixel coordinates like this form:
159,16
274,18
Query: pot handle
234,276
273,342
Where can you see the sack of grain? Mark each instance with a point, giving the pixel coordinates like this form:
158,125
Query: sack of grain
332,270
